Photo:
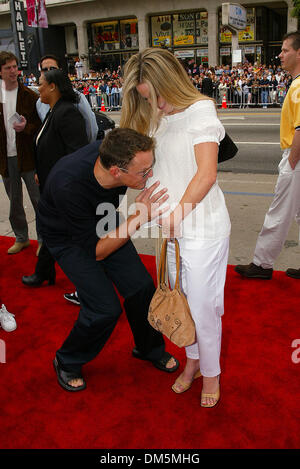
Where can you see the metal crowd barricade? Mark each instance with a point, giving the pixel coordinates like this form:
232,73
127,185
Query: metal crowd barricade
240,98
113,102
235,98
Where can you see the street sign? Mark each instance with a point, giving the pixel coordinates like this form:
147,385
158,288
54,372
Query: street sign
236,56
234,16
19,32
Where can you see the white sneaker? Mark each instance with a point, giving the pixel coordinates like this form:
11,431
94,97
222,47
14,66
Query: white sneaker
7,321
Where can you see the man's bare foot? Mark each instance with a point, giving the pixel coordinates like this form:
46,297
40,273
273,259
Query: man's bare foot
76,383
171,363
70,381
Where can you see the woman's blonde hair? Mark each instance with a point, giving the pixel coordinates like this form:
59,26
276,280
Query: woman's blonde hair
165,77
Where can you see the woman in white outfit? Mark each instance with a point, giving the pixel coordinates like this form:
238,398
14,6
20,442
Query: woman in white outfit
159,99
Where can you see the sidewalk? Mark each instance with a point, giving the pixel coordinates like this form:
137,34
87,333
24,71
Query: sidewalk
248,197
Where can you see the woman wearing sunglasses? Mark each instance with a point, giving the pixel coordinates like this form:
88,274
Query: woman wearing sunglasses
62,132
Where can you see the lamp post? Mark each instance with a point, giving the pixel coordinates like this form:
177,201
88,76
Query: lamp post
39,35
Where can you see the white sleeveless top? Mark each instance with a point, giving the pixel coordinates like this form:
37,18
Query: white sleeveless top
176,166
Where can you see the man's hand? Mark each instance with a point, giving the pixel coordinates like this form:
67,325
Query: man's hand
148,204
147,208
294,155
20,126
293,161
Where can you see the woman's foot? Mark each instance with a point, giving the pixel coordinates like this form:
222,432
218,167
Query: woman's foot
210,392
181,386
190,372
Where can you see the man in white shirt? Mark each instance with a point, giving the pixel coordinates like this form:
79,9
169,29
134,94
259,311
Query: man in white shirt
19,122
285,206
79,69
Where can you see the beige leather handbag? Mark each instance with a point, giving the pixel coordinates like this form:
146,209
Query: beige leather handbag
169,311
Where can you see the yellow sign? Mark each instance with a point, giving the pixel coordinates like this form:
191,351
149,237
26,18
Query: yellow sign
183,40
244,36
225,35
161,40
247,34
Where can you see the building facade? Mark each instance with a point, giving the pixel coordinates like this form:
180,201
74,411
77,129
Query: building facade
104,33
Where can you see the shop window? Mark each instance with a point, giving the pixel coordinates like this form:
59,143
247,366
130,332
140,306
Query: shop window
276,19
113,35
129,34
183,29
202,27
161,27
105,36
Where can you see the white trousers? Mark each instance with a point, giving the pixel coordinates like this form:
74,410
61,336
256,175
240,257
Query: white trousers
202,279
284,208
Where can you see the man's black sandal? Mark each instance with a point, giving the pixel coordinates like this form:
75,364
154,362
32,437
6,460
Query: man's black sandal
64,377
161,363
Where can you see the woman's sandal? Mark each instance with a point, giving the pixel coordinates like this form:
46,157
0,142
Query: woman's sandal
214,395
184,386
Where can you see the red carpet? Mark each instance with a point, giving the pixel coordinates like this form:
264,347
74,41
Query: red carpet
128,403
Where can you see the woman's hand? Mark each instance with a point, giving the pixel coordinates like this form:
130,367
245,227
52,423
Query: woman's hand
171,225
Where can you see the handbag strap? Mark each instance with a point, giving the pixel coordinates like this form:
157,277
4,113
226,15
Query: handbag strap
158,244
177,264
161,277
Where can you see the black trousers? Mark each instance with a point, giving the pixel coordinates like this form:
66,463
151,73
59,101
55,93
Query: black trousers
100,306
45,265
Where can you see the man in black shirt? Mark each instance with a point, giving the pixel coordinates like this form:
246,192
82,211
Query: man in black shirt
81,228
255,90
264,88
207,86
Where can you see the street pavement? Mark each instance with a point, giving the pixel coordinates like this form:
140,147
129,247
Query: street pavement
247,181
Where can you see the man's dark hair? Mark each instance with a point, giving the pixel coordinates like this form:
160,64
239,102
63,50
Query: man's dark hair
6,56
53,57
63,83
120,146
295,36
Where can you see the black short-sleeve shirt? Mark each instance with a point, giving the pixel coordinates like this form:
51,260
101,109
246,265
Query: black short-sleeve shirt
73,202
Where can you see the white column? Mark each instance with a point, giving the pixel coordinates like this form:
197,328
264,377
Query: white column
82,44
234,45
143,32
213,38
292,23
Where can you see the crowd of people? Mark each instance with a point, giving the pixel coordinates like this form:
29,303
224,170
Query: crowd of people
168,121
244,85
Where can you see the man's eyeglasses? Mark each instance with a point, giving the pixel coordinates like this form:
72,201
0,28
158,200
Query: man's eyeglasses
143,175
47,69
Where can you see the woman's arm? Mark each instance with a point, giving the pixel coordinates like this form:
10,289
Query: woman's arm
71,127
